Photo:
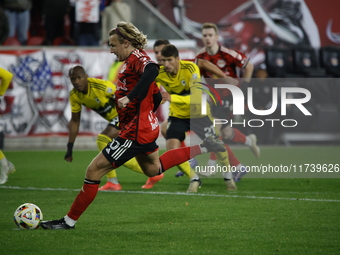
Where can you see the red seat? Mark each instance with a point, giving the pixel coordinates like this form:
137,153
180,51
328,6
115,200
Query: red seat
11,41
59,41
35,40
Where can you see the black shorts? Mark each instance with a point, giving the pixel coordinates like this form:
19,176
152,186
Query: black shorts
177,128
114,123
223,111
121,150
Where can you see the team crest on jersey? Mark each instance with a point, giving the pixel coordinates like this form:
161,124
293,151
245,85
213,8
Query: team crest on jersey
183,82
97,100
221,63
109,90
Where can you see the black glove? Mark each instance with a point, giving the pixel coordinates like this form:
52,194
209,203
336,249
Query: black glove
68,155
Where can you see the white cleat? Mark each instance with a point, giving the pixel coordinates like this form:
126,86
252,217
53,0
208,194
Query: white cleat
194,185
230,185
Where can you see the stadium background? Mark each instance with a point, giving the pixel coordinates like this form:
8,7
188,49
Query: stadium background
36,109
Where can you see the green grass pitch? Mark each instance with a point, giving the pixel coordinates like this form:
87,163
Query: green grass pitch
268,214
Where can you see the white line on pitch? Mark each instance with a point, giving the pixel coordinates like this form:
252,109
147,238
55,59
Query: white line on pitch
180,193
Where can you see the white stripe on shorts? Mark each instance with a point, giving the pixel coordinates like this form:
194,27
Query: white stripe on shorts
120,151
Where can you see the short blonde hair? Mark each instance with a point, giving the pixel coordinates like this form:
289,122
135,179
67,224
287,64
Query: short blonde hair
210,25
127,31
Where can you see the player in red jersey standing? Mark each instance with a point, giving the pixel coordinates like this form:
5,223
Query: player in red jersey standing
137,98
228,61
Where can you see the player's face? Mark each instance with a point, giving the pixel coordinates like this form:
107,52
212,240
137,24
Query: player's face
79,81
158,53
171,64
117,48
209,37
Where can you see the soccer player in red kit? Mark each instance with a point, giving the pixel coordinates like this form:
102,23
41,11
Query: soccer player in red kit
228,61
137,98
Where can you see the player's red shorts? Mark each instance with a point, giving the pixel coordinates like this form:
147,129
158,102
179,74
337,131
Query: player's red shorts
121,150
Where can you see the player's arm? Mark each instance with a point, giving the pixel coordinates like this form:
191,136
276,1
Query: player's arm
248,72
141,89
193,97
73,129
212,68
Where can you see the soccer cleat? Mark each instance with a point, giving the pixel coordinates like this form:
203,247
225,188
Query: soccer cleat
194,185
239,173
213,144
6,167
255,149
55,224
179,174
110,186
152,181
230,185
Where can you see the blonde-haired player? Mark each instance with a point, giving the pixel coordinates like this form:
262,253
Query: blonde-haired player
6,167
97,95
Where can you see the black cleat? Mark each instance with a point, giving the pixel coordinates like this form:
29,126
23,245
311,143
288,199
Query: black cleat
55,224
213,144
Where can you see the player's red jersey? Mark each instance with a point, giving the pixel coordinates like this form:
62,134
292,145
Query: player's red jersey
225,59
137,120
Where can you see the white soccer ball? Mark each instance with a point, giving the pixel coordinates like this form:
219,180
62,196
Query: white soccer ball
28,216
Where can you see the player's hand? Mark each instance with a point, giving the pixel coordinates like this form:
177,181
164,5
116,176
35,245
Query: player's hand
68,156
122,102
166,96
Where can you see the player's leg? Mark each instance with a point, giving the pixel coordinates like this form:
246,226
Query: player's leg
151,164
175,134
112,180
106,136
6,167
164,127
235,135
95,171
203,127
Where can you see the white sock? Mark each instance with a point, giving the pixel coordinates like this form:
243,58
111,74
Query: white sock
69,221
204,149
248,142
195,177
227,175
113,180
238,167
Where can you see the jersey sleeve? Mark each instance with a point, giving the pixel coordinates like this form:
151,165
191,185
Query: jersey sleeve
195,94
111,89
241,60
141,63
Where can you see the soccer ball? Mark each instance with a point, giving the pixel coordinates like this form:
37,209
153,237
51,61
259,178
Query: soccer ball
28,216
